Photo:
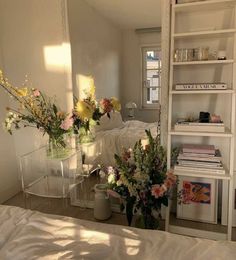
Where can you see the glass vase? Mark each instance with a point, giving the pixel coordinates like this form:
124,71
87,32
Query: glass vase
146,220
86,136
58,148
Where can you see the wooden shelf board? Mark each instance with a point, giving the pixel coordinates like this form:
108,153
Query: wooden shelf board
227,133
208,33
204,5
204,62
183,92
200,174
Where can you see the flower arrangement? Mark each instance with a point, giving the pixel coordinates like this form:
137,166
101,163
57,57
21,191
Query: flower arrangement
37,110
88,111
142,181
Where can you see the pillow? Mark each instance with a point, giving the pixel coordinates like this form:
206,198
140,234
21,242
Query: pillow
106,123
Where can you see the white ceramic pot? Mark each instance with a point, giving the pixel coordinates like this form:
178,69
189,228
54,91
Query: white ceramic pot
102,207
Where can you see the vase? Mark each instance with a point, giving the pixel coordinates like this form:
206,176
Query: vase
102,207
86,136
146,220
58,148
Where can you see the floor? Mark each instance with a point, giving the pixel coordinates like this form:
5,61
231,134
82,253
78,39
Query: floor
60,207
64,207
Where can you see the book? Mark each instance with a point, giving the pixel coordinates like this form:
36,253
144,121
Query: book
196,169
201,164
201,124
206,127
201,157
201,86
198,148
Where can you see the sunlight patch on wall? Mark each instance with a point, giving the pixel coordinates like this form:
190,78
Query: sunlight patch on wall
57,58
83,84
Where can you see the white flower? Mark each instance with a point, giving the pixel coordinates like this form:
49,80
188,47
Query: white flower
111,178
110,170
102,174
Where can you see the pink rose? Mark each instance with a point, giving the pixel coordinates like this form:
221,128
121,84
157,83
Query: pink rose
170,180
113,194
36,93
158,190
106,105
67,123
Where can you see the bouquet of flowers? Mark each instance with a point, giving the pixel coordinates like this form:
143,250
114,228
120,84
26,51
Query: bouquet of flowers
37,110
142,181
88,111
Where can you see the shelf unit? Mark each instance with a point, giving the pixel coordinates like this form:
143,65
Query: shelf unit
229,133
207,33
204,62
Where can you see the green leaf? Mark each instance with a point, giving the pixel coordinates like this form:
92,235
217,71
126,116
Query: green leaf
54,109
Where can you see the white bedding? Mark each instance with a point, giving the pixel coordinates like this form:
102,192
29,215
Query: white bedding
26,235
109,142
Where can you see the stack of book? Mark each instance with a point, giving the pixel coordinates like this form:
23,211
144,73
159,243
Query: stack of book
182,125
200,158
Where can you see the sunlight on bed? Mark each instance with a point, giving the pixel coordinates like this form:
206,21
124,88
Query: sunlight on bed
132,246
130,232
95,237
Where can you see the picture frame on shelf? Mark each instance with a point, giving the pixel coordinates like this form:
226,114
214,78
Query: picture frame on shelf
199,199
224,209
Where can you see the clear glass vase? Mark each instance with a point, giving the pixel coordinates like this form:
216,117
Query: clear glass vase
146,220
86,136
58,148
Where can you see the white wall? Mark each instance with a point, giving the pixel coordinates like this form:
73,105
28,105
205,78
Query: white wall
132,73
95,44
9,183
36,43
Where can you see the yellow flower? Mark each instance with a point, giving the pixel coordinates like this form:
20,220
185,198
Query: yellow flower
116,104
22,92
84,110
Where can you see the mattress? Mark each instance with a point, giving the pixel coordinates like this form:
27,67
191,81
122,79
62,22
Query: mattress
26,234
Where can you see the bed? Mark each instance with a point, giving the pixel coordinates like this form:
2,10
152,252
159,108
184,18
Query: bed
26,234
112,135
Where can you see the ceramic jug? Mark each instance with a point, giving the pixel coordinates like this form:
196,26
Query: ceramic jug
102,208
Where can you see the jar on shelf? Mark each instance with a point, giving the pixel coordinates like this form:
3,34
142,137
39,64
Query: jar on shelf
203,53
178,55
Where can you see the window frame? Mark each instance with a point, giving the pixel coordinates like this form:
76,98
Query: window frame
143,50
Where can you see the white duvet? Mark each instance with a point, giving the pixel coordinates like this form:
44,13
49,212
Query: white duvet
26,235
113,141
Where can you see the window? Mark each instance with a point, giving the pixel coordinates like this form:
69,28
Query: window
151,76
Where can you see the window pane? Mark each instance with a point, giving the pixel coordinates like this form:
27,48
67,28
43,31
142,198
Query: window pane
153,78
151,75
152,95
153,59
